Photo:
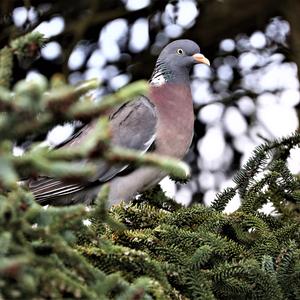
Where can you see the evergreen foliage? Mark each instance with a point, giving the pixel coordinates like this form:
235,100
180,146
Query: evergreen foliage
152,248
203,253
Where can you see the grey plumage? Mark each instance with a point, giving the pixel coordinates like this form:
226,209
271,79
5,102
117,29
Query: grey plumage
137,117
163,121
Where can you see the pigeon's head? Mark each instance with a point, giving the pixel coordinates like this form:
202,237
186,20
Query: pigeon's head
176,60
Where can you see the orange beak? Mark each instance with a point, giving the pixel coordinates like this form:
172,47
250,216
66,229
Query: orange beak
200,58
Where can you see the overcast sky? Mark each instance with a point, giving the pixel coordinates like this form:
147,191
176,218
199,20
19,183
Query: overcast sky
274,111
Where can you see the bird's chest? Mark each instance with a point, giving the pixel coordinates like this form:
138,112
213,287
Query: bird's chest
175,125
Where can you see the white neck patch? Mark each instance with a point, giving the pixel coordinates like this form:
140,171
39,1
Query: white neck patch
158,80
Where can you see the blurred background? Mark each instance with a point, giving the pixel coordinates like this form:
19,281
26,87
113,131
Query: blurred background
250,93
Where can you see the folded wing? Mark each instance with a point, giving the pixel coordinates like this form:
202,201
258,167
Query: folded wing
133,126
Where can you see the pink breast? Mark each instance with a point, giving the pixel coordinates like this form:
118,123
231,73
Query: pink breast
175,126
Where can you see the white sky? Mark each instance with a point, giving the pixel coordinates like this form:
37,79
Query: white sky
275,114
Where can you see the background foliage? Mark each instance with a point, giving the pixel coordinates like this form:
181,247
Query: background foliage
253,81
152,248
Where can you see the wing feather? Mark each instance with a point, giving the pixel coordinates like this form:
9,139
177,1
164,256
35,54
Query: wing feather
133,126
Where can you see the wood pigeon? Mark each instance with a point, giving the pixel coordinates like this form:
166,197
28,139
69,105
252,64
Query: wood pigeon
163,122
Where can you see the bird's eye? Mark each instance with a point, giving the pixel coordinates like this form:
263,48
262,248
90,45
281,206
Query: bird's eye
180,51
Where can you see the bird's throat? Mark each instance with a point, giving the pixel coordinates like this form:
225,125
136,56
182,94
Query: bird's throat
160,75
169,74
